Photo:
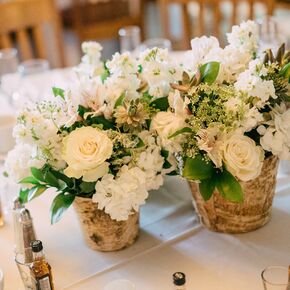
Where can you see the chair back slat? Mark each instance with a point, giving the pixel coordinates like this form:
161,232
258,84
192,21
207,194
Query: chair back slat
5,41
27,19
39,41
203,8
24,44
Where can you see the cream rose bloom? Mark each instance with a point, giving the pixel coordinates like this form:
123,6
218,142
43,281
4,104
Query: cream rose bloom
242,157
166,124
85,150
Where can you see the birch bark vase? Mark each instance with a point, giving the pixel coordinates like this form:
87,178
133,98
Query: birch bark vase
101,233
221,215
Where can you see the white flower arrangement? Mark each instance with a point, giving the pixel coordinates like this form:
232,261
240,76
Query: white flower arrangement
126,123
228,113
93,140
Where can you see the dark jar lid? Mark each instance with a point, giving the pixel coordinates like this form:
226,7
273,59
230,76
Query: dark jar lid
36,246
178,278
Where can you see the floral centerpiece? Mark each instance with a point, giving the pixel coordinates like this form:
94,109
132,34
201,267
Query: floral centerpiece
228,123
92,143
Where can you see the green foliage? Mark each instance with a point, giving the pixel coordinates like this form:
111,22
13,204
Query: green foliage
181,131
87,187
82,110
209,72
229,187
120,101
206,187
58,92
285,71
105,74
100,120
36,191
59,205
160,104
45,178
197,168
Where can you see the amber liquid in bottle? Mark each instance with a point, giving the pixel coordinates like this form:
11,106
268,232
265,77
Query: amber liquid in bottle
40,269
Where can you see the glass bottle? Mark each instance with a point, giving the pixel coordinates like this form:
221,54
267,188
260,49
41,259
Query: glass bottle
40,269
179,281
27,234
17,206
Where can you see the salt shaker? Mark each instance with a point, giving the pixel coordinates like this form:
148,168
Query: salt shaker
179,281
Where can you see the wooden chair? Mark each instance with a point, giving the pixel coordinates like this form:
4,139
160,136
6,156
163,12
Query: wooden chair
22,24
102,20
214,5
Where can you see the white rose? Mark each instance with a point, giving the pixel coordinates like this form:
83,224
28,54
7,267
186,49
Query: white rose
166,124
242,157
85,150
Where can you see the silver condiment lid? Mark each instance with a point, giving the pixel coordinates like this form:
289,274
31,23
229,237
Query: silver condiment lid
16,203
25,215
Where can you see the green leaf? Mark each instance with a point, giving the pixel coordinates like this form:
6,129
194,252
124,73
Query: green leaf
160,103
140,68
35,191
285,71
120,101
69,182
140,143
105,74
181,131
197,168
146,97
102,120
29,180
23,195
51,179
229,187
164,153
87,187
37,174
58,92
206,187
59,205
82,110
209,71
5,174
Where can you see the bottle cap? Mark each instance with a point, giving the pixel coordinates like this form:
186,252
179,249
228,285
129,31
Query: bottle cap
178,278
36,246
17,203
25,215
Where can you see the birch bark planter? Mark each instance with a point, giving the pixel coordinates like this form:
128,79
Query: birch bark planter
218,214
101,233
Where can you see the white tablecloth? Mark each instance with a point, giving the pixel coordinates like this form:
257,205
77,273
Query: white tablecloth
170,240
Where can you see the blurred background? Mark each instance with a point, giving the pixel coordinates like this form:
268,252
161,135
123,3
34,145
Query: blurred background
54,29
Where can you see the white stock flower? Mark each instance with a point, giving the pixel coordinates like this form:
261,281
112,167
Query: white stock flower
20,159
276,138
252,119
124,63
122,195
151,162
242,157
245,37
158,71
91,64
201,48
166,124
85,150
255,86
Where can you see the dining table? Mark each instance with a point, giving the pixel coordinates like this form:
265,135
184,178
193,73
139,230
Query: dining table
171,237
